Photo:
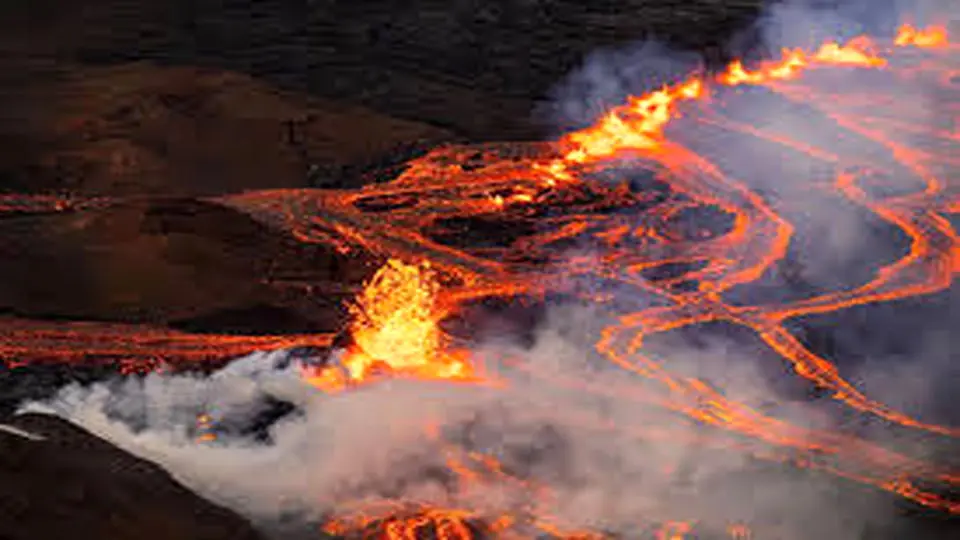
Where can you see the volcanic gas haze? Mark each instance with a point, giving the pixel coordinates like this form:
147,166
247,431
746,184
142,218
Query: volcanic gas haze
684,246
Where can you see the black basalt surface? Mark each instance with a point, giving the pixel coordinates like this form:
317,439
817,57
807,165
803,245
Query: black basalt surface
60,481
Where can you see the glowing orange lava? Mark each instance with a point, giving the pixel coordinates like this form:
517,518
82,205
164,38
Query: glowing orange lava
638,128
415,522
442,524
933,36
547,198
639,124
396,331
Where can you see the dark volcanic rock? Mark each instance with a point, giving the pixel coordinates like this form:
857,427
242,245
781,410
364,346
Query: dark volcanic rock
142,129
472,66
179,261
40,382
67,483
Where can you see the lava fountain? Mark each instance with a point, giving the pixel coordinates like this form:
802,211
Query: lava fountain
395,331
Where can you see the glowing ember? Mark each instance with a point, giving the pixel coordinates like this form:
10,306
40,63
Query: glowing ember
395,329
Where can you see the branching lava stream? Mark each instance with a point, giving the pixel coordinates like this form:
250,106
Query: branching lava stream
467,223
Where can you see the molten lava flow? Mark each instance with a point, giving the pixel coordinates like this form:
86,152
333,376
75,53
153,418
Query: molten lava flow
132,348
855,53
395,329
407,525
415,522
758,238
909,35
636,126
663,219
639,124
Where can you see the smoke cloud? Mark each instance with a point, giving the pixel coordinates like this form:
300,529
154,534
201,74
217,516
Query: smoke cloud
611,459
613,462
289,456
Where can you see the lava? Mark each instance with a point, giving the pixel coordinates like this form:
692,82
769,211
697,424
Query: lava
930,37
500,220
639,124
395,328
132,348
397,524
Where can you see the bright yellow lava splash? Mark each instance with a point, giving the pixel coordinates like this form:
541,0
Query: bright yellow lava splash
395,328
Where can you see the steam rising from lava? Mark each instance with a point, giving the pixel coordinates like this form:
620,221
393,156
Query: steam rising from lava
809,163
561,458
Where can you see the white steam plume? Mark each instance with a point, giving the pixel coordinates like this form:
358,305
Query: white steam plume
367,444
